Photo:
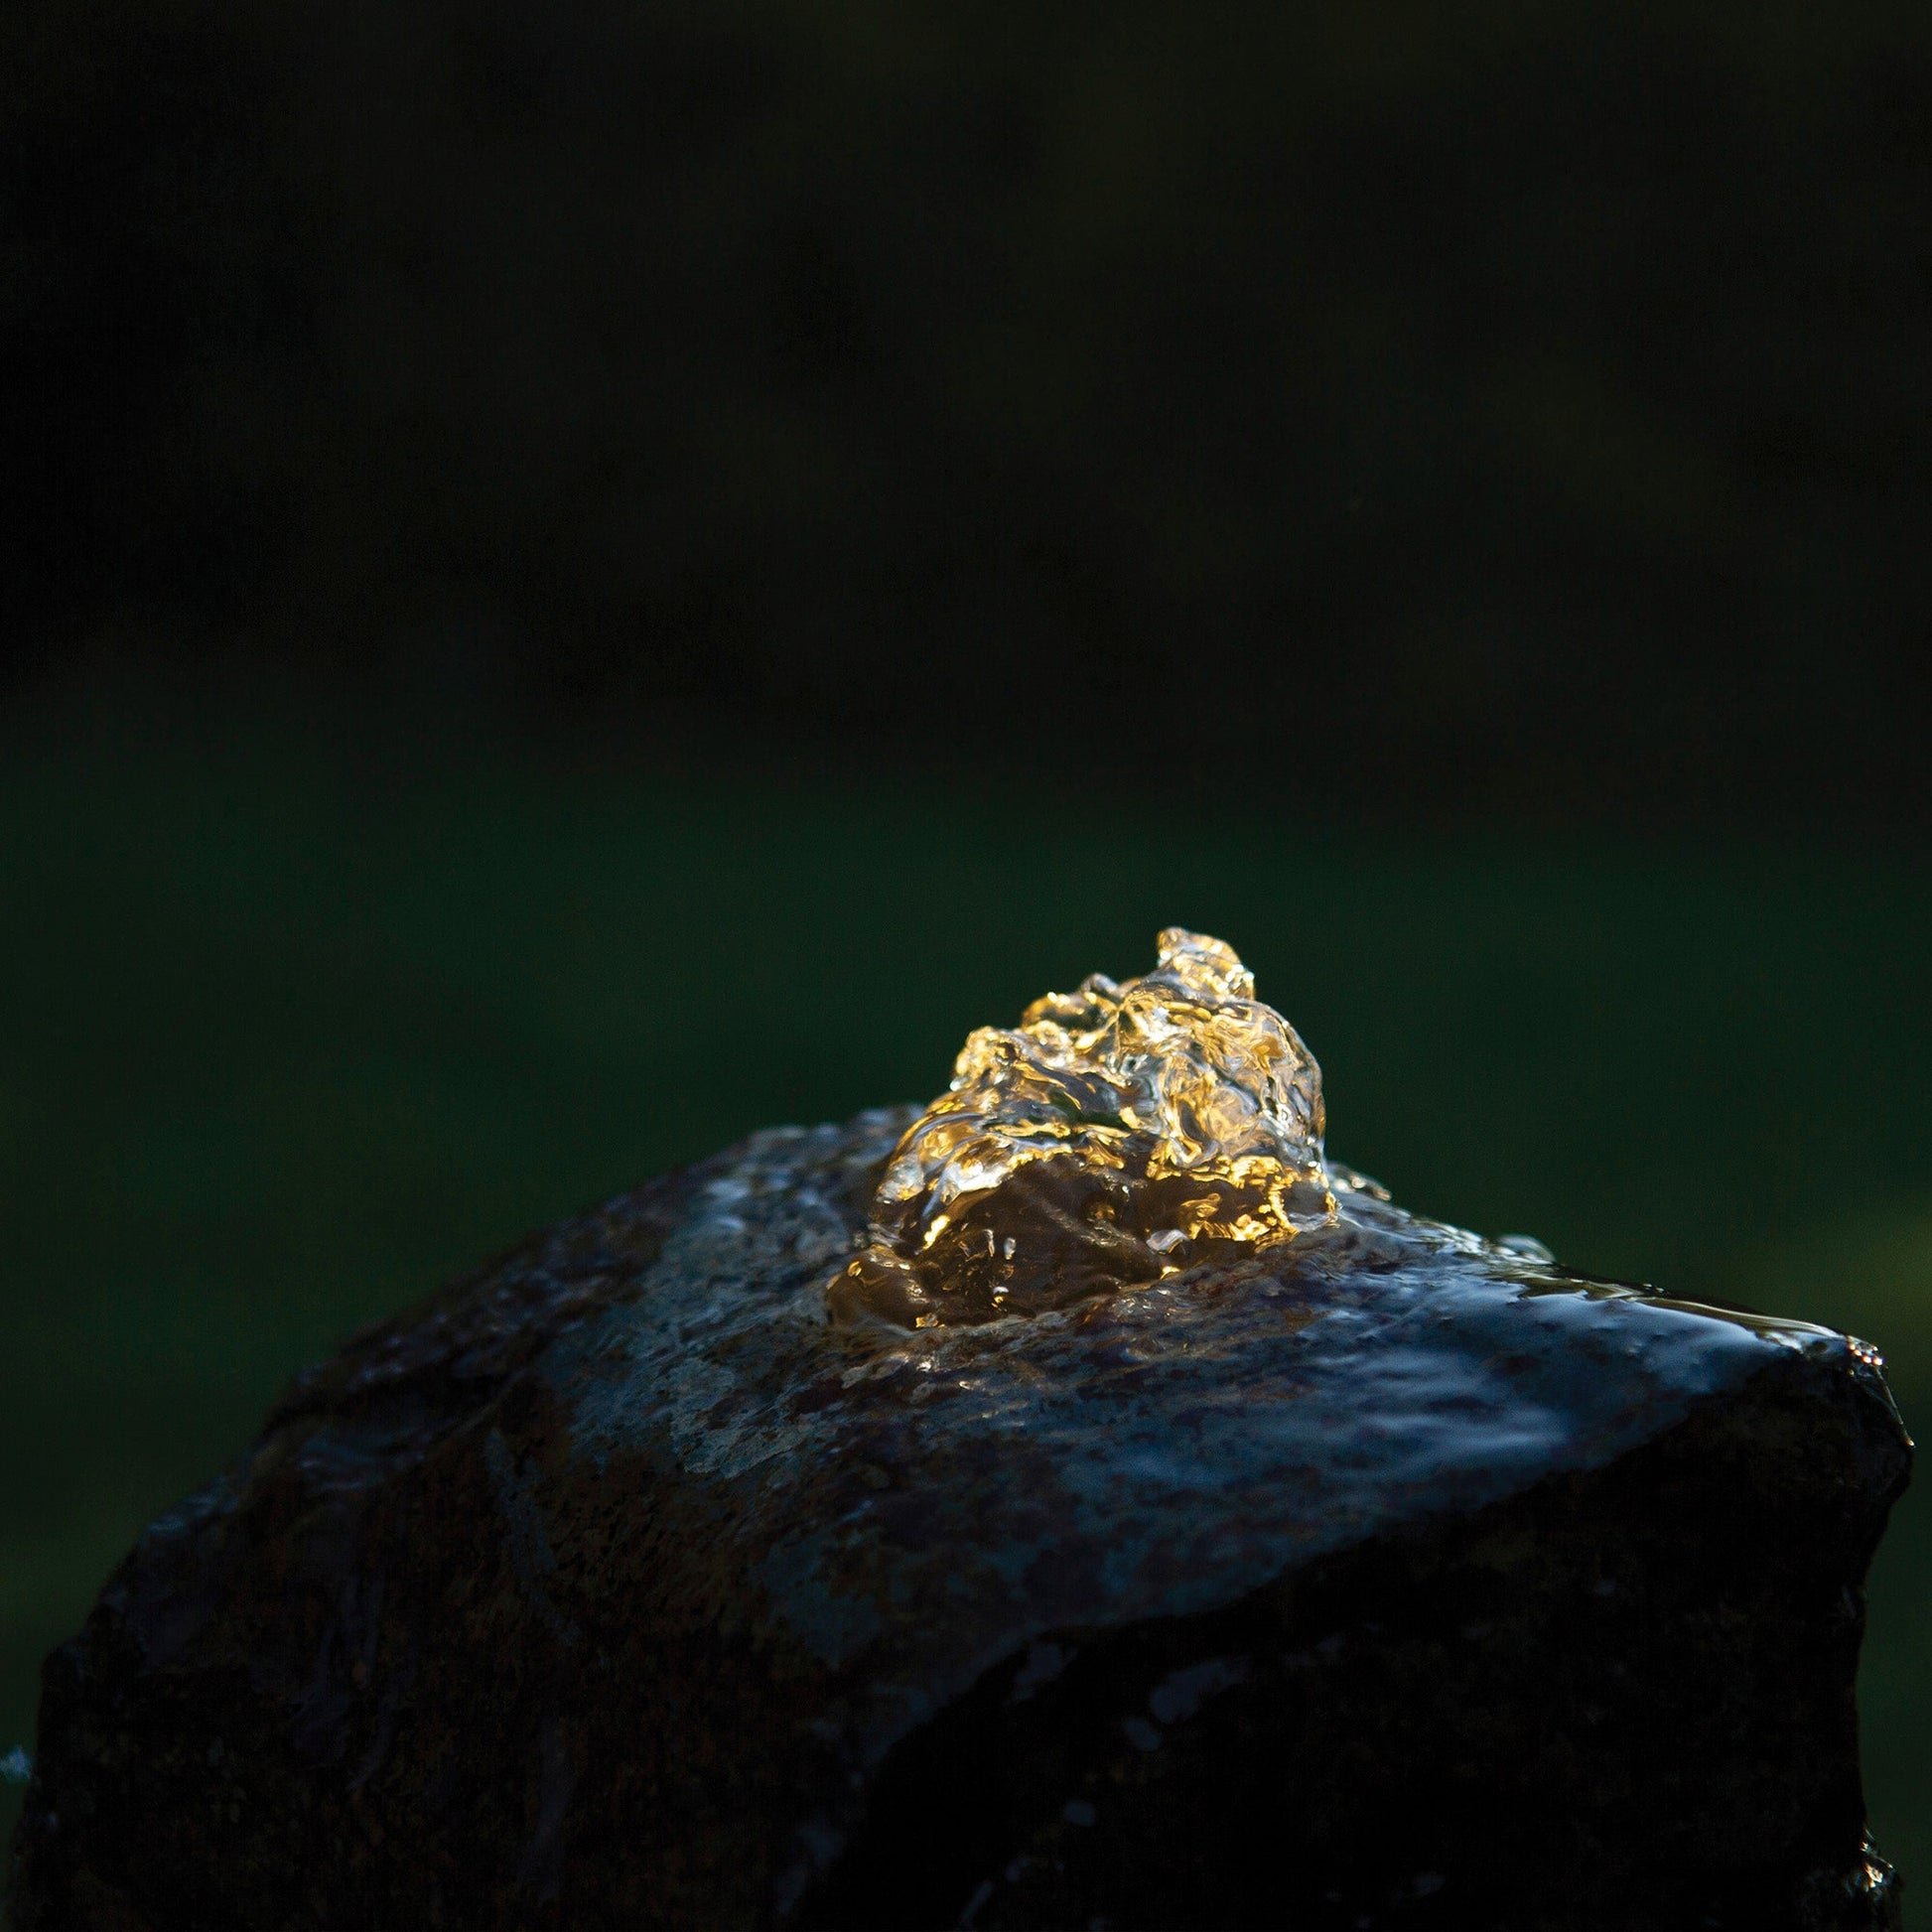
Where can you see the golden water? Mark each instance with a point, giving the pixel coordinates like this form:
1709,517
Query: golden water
1116,1134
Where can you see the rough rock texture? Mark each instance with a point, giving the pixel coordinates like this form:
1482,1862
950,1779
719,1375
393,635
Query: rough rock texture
1391,1580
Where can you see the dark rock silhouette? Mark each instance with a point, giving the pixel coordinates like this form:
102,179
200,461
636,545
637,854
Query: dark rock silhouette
1389,1579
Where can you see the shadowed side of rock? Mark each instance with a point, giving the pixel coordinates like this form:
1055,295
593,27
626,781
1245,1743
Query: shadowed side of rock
345,1631
1624,1699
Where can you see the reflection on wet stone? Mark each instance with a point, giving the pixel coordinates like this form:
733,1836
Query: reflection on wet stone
1080,1501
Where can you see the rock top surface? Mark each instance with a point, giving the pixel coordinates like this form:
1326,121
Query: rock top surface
621,1584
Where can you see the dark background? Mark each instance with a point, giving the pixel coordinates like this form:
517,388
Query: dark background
579,581
1510,408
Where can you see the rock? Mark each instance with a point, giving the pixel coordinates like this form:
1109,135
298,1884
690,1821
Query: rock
1386,1577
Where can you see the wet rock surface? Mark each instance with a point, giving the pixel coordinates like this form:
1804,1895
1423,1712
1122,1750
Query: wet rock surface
1385,1577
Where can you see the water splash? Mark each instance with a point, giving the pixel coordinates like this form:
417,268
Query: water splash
1116,1134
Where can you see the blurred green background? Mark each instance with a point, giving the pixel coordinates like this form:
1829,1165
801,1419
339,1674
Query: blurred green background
298,1029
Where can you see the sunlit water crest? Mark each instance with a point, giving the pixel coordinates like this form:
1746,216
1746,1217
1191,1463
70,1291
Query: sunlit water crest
1116,1134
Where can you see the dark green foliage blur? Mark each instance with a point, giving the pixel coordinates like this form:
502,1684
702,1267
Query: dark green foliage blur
1524,405
295,1033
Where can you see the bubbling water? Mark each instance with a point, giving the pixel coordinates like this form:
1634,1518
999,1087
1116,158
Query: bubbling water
1116,1134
